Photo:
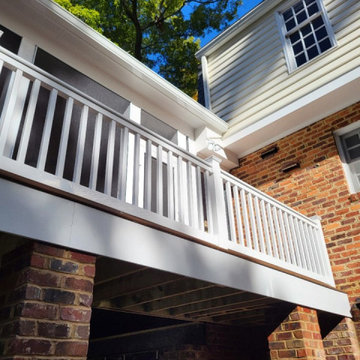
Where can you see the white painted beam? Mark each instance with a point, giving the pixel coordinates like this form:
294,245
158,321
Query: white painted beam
37,215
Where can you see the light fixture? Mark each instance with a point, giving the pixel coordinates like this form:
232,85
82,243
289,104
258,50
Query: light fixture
213,146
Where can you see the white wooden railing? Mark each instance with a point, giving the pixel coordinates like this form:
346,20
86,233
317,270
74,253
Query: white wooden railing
58,138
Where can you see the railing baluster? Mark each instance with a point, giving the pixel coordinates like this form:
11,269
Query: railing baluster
123,165
259,225
208,203
29,118
45,139
311,249
190,194
159,180
290,238
135,186
60,165
9,107
110,158
246,218
181,186
200,203
272,232
13,129
283,235
321,262
305,246
277,228
266,228
296,243
303,252
252,222
170,185
80,148
230,211
147,176
95,152
238,216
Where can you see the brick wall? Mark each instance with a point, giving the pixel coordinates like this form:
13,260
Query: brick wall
297,337
221,342
45,302
318,187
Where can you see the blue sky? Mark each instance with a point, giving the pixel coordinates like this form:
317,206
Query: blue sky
244,9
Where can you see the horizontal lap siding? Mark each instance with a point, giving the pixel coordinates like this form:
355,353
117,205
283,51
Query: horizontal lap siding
249,77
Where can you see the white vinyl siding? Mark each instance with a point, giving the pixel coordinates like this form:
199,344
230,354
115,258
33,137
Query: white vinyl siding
248,76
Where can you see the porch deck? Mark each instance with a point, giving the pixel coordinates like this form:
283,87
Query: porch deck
60,140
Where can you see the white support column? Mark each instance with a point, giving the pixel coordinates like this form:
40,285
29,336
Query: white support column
205,77
218,207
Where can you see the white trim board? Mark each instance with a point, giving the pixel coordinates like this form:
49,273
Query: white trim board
326,100
41,216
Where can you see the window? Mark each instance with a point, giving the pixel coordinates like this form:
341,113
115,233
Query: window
348,142
306,32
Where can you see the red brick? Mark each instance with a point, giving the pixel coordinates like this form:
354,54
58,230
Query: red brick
85,300
89,270
78,284
37,311
49,249
29,347
71,348
82,258
53,330
75,314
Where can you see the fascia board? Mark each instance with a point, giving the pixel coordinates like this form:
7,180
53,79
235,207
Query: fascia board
135,68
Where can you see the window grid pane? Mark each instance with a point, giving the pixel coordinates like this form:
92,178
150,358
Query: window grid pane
306,37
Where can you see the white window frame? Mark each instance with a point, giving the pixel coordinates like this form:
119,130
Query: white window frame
354,184
288,49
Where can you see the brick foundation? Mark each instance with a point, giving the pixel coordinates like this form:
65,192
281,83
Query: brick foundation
297,337
221,342
317,187
45,303
341,343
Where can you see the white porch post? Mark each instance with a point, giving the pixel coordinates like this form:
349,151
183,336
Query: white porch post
218,206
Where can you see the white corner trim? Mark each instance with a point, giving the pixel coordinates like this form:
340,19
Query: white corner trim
205,80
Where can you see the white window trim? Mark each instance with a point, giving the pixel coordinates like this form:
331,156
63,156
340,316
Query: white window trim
288,51
348,173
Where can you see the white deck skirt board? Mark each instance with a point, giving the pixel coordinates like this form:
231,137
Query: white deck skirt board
41,216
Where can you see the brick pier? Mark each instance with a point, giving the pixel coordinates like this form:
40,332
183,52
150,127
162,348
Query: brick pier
45,303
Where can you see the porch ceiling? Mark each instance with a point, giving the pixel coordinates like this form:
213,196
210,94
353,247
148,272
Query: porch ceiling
126,287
